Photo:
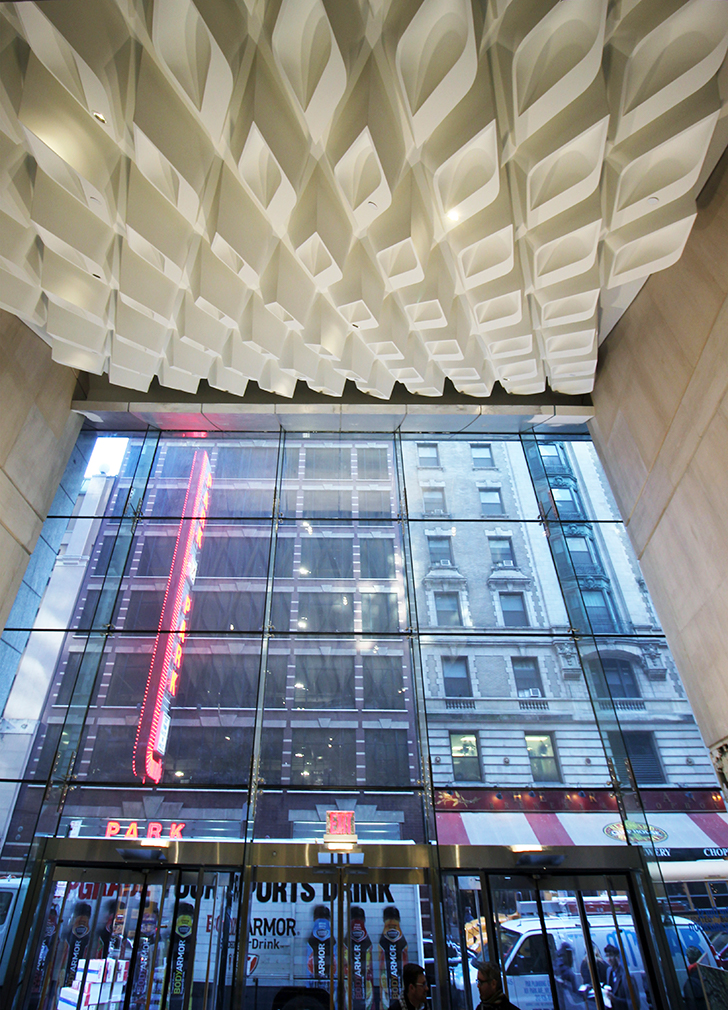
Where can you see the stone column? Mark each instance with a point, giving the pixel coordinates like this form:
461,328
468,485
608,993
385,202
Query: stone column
661,430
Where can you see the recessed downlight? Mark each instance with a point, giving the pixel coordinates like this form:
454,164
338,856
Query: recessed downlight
100,116
453,215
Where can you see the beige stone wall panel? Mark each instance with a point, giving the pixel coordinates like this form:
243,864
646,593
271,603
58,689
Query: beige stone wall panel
661,428
37,435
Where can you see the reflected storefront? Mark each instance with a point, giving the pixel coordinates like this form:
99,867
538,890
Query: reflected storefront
447,638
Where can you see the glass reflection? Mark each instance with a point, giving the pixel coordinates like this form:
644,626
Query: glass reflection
290,626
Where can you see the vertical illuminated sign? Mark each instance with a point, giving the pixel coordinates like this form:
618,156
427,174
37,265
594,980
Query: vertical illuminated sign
150,745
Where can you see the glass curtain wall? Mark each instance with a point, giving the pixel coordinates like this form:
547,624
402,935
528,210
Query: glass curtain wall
243,631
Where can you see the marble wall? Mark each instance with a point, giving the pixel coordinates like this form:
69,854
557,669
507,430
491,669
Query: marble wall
661,430
37,435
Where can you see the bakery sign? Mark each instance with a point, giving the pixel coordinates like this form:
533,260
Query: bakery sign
636,833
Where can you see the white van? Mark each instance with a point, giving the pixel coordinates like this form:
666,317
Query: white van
527,963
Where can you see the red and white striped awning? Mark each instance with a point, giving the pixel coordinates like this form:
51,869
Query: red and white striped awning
668,830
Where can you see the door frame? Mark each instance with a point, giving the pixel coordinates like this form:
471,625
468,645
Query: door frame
568,861
421,863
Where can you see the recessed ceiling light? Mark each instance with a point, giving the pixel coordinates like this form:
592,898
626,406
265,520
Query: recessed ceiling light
654,199
371,203
100,116
453,215
97,276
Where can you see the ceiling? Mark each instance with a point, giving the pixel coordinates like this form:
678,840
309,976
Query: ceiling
382,191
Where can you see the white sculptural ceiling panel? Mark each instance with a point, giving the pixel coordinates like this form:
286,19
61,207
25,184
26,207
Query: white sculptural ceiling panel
319,191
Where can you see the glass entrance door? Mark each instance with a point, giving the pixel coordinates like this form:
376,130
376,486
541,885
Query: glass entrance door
334,937
161,939
561,941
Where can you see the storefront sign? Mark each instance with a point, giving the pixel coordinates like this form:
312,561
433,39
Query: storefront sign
665,852
639,834
144,829
151,740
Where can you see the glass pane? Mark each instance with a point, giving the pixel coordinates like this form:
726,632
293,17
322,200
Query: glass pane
347,703
300,815
620,964
312,963
492,567
462,479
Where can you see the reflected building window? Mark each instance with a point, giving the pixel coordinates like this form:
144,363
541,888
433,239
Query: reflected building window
448,610
219,755
128,678
324,682
372,464
553,458
377,558
240,503
387,757
327,505
542,755
456,677
227,611
238,462
375,505
327,558
233,556
465,757
383,682
440,550
283,568
327,464
599,611
580,549
323,757
427,454
433,501
156,557
501,551
643,755
379,613
144,610
491,503
178,461
215,680
615,678
513,608
325,612
87,618
527,676
168,502
482,456
567,502
276,674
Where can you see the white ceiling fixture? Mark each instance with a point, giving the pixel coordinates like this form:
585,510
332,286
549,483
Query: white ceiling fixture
373,190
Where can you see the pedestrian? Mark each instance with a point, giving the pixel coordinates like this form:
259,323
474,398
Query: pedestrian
566,976
414,986
622,992
601,966
490,987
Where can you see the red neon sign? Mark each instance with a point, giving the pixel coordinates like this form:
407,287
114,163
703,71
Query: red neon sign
150,745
